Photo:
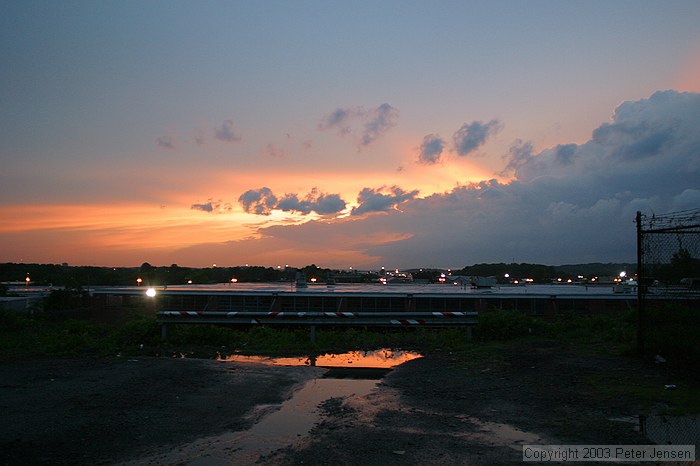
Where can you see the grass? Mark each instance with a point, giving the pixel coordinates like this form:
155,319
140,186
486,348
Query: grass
651,392
135,332
104,333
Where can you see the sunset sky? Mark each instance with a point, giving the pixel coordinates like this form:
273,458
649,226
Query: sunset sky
346,134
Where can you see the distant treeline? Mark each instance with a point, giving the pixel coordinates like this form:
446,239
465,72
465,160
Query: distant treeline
85,276
546,273
81,276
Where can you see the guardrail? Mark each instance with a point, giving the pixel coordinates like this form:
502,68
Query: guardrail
313,319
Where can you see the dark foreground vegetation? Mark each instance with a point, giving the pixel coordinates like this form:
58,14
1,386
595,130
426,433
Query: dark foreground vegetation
58,331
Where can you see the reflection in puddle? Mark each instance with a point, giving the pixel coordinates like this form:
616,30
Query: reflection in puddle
468,427
494,433
379,359
369,365
280,429
350,376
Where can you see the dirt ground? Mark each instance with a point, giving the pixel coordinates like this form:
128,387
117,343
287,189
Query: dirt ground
441,409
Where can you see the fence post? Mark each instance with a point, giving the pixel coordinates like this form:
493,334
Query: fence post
641,284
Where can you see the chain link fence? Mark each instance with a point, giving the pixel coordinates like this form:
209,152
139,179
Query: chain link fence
668,305
668,278
670,430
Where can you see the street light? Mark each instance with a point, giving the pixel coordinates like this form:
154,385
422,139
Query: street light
139,281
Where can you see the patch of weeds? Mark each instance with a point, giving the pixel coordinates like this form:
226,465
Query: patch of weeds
502,325
672,331
649,393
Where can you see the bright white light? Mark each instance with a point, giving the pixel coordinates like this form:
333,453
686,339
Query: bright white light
151,292
623,274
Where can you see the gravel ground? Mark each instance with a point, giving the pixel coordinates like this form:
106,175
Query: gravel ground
442,409
449,410
86,412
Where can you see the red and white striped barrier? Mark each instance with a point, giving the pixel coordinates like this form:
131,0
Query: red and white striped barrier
312,319
311,314
182,313
340,314
408,321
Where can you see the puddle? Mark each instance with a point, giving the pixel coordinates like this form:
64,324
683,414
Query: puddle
282,428
369,365
487,433
350,376
379,359
494,433
466,427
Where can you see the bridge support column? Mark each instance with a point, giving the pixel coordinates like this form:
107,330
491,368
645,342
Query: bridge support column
164,332
312,333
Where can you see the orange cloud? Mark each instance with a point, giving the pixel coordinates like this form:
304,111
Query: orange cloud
105,233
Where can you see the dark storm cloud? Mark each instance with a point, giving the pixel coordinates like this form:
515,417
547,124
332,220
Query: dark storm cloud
650,145
569,203
519,154
564,153
378,122
206,207
315,201
381,200
338,120
263,202
258,201
366,125
472,135
634,139
212,206
226,132
431,149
